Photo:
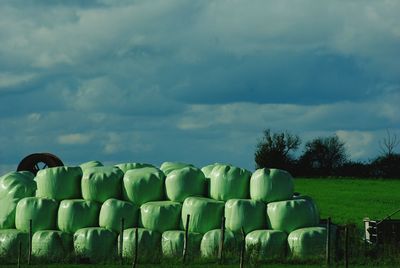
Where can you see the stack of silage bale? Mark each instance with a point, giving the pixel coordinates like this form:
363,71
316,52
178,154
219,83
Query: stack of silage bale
78,210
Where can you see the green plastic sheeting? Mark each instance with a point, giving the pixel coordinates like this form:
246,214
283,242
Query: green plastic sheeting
205,214
292,214
160,216
148,244
90,164
208,169
172,243
210,243
76,214
42,212
113,210
52,245
95,243
249,214
101,183
59,183
9,243
266,244
313,204
167,167
307,242
184,182
229,182
271,185
17,185
143,185
128,166
8,206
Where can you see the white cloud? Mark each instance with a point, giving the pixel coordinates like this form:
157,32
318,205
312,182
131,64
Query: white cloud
8,80
74,138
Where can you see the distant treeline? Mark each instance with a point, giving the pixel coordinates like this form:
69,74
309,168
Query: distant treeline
325,157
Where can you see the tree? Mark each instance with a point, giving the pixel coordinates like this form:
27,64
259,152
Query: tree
323,156
389,144
274,150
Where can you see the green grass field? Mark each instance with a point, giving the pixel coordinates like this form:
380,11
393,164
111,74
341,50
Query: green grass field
350,200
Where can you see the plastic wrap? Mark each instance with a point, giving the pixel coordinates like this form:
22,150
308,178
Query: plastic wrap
172,243
9,243
143,185
101,183
266,244
205,214
160,216
59,183
8,206
271,185
17,185
76,214
148,244
184,182
249,214
229,182
307,242
292,214
128,166
96,244
42,212
167,167
210,243
90,164
52,245
113,210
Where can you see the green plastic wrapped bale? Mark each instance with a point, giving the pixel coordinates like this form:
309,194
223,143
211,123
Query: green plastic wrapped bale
205,214
249,214
292,214
101,183
95,244
266,244
59,183
143,185
208,169
160,216
52,245
128,166
229,182
313,204
172,243
76,214
307,242
90,164
17,185
113,210
9,243
42,212
168,167
269,185
184,182
8,206
210,243
148,244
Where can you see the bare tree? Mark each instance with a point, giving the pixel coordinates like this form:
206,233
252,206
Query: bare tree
389,143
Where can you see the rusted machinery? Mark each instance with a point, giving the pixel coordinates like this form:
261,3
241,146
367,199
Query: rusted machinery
382,231
37,161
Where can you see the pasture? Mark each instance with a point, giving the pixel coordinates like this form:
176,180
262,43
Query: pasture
350,200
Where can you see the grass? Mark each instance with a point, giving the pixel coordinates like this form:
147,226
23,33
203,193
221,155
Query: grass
350,200
177,266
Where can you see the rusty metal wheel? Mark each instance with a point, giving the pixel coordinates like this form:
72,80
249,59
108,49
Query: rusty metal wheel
38,161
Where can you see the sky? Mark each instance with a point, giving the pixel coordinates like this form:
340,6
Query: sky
194,81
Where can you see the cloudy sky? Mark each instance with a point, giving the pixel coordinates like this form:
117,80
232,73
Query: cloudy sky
194,81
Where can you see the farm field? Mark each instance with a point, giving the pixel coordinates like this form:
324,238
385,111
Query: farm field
350,200
176,266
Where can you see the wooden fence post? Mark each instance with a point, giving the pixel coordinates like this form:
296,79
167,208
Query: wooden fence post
243,248
328,241
185,241
30,242
346,246
19,253
221,242
136,248
121,241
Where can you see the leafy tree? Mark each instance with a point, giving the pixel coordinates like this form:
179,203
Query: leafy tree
274,150
323,156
